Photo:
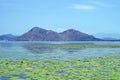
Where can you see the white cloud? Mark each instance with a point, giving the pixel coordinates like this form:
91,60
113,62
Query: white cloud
91,5
83,7
101,4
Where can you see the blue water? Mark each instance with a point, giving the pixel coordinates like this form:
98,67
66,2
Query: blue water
18,50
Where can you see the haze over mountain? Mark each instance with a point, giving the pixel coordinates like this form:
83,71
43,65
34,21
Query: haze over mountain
39,34
109,36
6,36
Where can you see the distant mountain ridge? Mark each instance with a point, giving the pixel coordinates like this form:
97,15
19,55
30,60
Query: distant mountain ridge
39,34
6,36
108,36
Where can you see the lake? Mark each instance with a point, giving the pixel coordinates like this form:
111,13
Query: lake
61,50
70,60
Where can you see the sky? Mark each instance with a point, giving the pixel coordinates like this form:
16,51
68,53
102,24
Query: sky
88,16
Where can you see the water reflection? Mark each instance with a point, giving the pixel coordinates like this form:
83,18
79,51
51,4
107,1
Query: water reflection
59,52
6,45
37,48
53,50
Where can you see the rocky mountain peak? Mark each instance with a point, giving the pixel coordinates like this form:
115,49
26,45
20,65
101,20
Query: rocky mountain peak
39,34
36,29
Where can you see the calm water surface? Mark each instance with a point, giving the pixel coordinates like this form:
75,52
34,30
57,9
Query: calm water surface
25,50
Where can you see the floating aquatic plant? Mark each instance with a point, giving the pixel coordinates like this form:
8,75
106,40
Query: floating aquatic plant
100,68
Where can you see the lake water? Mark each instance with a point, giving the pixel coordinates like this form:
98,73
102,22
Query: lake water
26,50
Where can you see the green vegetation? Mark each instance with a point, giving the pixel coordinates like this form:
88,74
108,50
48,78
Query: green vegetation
68,46
83,46
102,68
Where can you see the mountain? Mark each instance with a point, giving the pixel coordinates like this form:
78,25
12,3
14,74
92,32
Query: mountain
39,34
108,36
74,35
6,36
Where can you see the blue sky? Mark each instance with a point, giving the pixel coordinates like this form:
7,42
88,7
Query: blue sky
89,16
